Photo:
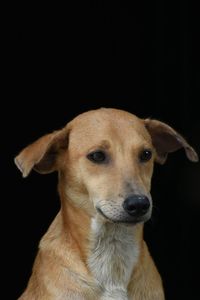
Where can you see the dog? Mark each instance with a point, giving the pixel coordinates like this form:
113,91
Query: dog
94,249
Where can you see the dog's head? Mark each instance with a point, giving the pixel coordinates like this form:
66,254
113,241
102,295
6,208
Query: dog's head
105,161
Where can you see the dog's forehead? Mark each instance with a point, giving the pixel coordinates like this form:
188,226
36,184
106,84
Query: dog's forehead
105,124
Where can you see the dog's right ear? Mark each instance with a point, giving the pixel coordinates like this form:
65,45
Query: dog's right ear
42,154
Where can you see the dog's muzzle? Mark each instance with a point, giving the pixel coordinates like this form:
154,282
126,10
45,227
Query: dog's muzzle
134,209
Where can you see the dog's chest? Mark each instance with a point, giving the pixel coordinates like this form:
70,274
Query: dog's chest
114,253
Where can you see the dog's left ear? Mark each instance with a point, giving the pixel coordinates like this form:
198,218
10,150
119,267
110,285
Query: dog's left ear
165,140
42,155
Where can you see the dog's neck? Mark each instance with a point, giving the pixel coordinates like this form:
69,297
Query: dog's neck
76,225
114,252
109,251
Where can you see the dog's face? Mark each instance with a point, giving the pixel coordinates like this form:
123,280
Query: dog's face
105,159
110,156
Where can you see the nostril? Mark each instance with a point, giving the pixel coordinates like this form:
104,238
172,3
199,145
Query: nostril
136,205
132,207
146,206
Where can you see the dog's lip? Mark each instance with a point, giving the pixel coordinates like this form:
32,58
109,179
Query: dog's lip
133,221
100,211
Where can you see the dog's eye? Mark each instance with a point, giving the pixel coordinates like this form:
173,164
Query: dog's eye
145,155
97,156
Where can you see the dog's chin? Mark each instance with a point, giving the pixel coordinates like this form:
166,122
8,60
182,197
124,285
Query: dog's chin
126,219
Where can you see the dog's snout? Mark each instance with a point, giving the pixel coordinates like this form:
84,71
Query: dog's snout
136,205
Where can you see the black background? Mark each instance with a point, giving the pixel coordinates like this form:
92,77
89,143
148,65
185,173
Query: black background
61,61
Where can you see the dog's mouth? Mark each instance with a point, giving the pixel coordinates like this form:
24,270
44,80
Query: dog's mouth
101,213
125,219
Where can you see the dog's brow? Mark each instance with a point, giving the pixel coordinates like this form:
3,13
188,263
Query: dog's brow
104,144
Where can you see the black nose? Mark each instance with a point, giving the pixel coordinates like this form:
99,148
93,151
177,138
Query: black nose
136,205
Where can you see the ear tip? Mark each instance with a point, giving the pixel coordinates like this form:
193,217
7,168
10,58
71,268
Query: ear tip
19,166
193,156
196,158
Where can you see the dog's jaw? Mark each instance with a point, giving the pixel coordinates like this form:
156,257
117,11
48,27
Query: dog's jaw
114,255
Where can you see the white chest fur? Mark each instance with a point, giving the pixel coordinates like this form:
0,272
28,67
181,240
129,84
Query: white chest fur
114,253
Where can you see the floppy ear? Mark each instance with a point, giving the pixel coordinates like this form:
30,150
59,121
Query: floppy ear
165,140
42,154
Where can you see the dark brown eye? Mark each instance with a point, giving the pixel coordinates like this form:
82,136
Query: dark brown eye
97,157
145,155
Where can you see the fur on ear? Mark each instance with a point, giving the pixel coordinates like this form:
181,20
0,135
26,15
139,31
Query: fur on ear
42,154
166,140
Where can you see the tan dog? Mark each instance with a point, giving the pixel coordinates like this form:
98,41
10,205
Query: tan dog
94,249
